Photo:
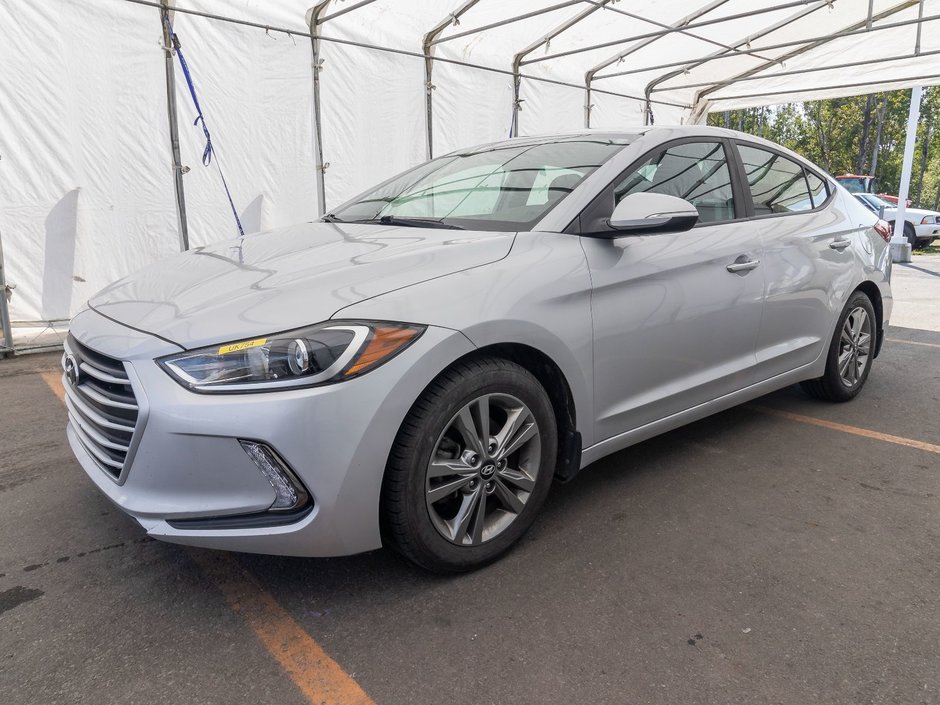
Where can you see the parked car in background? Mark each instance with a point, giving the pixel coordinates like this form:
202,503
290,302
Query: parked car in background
921,227
857,183
415,369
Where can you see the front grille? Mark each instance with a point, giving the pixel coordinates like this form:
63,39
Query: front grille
101,403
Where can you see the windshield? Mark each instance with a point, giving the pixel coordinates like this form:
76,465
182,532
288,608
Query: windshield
507,187
875,201
856,185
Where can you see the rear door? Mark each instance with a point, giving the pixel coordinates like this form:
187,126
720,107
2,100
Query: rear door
807,257
673,326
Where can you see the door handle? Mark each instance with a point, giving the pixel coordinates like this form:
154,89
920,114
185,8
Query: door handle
840,244
746,266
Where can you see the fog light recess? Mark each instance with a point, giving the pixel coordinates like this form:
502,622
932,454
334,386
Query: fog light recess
290,494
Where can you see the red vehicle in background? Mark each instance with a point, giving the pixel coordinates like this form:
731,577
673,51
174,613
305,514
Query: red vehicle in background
857,183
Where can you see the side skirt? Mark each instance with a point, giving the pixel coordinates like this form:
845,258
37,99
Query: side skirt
669,423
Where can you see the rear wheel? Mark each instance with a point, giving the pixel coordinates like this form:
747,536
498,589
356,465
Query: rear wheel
850,353
470,467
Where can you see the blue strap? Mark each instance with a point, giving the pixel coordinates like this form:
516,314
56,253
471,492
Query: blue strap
200,120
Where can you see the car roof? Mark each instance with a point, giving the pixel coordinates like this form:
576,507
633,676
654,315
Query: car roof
626,135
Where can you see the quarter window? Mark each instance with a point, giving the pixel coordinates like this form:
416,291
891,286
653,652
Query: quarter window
817,188
777,184
695,171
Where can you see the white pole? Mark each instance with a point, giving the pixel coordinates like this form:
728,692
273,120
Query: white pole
900,247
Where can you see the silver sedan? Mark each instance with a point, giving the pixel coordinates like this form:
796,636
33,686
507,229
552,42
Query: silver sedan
416,369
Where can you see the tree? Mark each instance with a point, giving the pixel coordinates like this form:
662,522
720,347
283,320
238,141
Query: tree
860,134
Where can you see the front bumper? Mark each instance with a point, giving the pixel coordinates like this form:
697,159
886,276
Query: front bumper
927,232
188,462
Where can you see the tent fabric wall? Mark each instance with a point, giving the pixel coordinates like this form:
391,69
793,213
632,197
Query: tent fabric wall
86,177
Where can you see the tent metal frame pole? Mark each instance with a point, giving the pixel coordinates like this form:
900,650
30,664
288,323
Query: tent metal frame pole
905,82
674,26
315,23
589,76
508,20
650,87
173,124
900,247
920,26
699,104
664,32
815,69
427,47
345,10
388,50
5,324
769,47
519,58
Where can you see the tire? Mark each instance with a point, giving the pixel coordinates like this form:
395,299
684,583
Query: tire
911,235
422,506
843,384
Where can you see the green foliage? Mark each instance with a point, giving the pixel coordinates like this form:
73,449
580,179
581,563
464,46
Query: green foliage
831,133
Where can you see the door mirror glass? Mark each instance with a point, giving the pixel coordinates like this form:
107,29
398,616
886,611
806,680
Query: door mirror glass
646,213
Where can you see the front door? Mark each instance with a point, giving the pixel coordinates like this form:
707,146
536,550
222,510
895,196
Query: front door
676,316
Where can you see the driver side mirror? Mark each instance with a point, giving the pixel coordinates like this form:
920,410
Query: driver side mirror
648,213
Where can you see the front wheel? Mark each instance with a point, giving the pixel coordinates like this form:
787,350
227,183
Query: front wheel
850,353
470,467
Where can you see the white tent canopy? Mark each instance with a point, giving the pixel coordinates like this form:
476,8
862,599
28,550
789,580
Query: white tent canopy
88,179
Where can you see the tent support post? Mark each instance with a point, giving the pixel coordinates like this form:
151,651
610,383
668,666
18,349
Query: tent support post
427,47
900,247
587,101
173,121
314,22
5,325
542,41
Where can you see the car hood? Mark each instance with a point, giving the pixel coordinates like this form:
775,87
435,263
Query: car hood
919,212
910,212
286,278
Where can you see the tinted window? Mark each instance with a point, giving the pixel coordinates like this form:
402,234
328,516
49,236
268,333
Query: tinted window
695,171
777,184
818,189
507,187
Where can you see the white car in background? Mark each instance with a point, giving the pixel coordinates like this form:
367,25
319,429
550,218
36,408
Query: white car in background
921,227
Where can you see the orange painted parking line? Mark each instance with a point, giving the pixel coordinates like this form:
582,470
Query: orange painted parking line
54,380
912,342
854,430
319,678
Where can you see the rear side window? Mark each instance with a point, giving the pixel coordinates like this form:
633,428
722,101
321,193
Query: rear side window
818,189
695,171
777,184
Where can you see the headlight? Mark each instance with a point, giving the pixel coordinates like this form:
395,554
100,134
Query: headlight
321,354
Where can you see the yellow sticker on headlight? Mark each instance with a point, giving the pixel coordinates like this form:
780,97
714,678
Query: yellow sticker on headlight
237,347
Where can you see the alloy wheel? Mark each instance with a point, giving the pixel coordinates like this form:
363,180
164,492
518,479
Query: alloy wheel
855,346
483,469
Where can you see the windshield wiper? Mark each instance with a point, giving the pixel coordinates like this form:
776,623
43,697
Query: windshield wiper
413,222
330,218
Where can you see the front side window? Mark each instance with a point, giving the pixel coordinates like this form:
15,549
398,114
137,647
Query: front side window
777,184
507,187
695,171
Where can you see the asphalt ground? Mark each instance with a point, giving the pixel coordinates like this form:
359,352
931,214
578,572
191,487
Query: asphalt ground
752,557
